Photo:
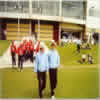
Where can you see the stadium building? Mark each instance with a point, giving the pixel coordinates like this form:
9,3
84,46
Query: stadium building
46,19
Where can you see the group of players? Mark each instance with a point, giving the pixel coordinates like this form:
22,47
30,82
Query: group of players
24,51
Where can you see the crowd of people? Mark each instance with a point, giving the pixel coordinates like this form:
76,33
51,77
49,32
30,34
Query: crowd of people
24,51
85,58
44,62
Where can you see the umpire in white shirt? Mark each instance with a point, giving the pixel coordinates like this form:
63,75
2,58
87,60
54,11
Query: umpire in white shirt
41,67
54,63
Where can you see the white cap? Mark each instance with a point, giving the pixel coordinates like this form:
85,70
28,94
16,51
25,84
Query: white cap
52,42
42,45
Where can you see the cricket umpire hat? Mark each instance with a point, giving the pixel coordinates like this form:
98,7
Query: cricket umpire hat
42,45
52,42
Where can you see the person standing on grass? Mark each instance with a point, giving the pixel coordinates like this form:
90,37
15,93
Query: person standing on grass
54,63
41,67
20,52
78,45
13,53
84,58
90,59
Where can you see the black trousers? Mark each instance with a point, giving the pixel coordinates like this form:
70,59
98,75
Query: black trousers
78,47
53,80
31,56
20,61
26,56
91,62
13,58
41,82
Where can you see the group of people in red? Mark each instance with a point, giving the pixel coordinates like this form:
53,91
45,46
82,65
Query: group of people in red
24,51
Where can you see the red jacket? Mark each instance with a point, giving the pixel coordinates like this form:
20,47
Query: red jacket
27,44
13,49
38,47
31,47
20,51
24,48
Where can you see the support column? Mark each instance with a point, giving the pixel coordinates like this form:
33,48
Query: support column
0,29
33,27
30,8
56,32
84,33
33,30
30,27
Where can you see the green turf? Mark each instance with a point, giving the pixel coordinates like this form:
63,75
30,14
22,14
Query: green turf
72,83
75,80
4,44
70,56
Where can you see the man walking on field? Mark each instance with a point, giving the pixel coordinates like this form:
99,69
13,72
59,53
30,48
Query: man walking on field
41,67
54,63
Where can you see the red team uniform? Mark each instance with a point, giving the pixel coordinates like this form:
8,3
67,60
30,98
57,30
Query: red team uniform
25,51
20,51
13,53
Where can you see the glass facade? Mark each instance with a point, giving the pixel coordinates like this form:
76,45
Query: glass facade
73,9
2,6
94,8
94,12
46,8
14,6
66,8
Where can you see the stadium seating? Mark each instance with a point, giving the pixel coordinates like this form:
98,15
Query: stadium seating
46,32
13,33
71,26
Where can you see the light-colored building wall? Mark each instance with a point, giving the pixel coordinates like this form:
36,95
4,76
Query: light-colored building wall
93,15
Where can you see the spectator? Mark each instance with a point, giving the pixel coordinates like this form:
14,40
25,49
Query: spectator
78,45
90,59
83,58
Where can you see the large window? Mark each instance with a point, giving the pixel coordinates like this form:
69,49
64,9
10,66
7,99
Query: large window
46,7
94,10
19,6
2,6
66,8
73,9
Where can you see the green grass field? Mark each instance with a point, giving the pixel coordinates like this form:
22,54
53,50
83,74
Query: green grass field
75,80
70,57
3,46
72,83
